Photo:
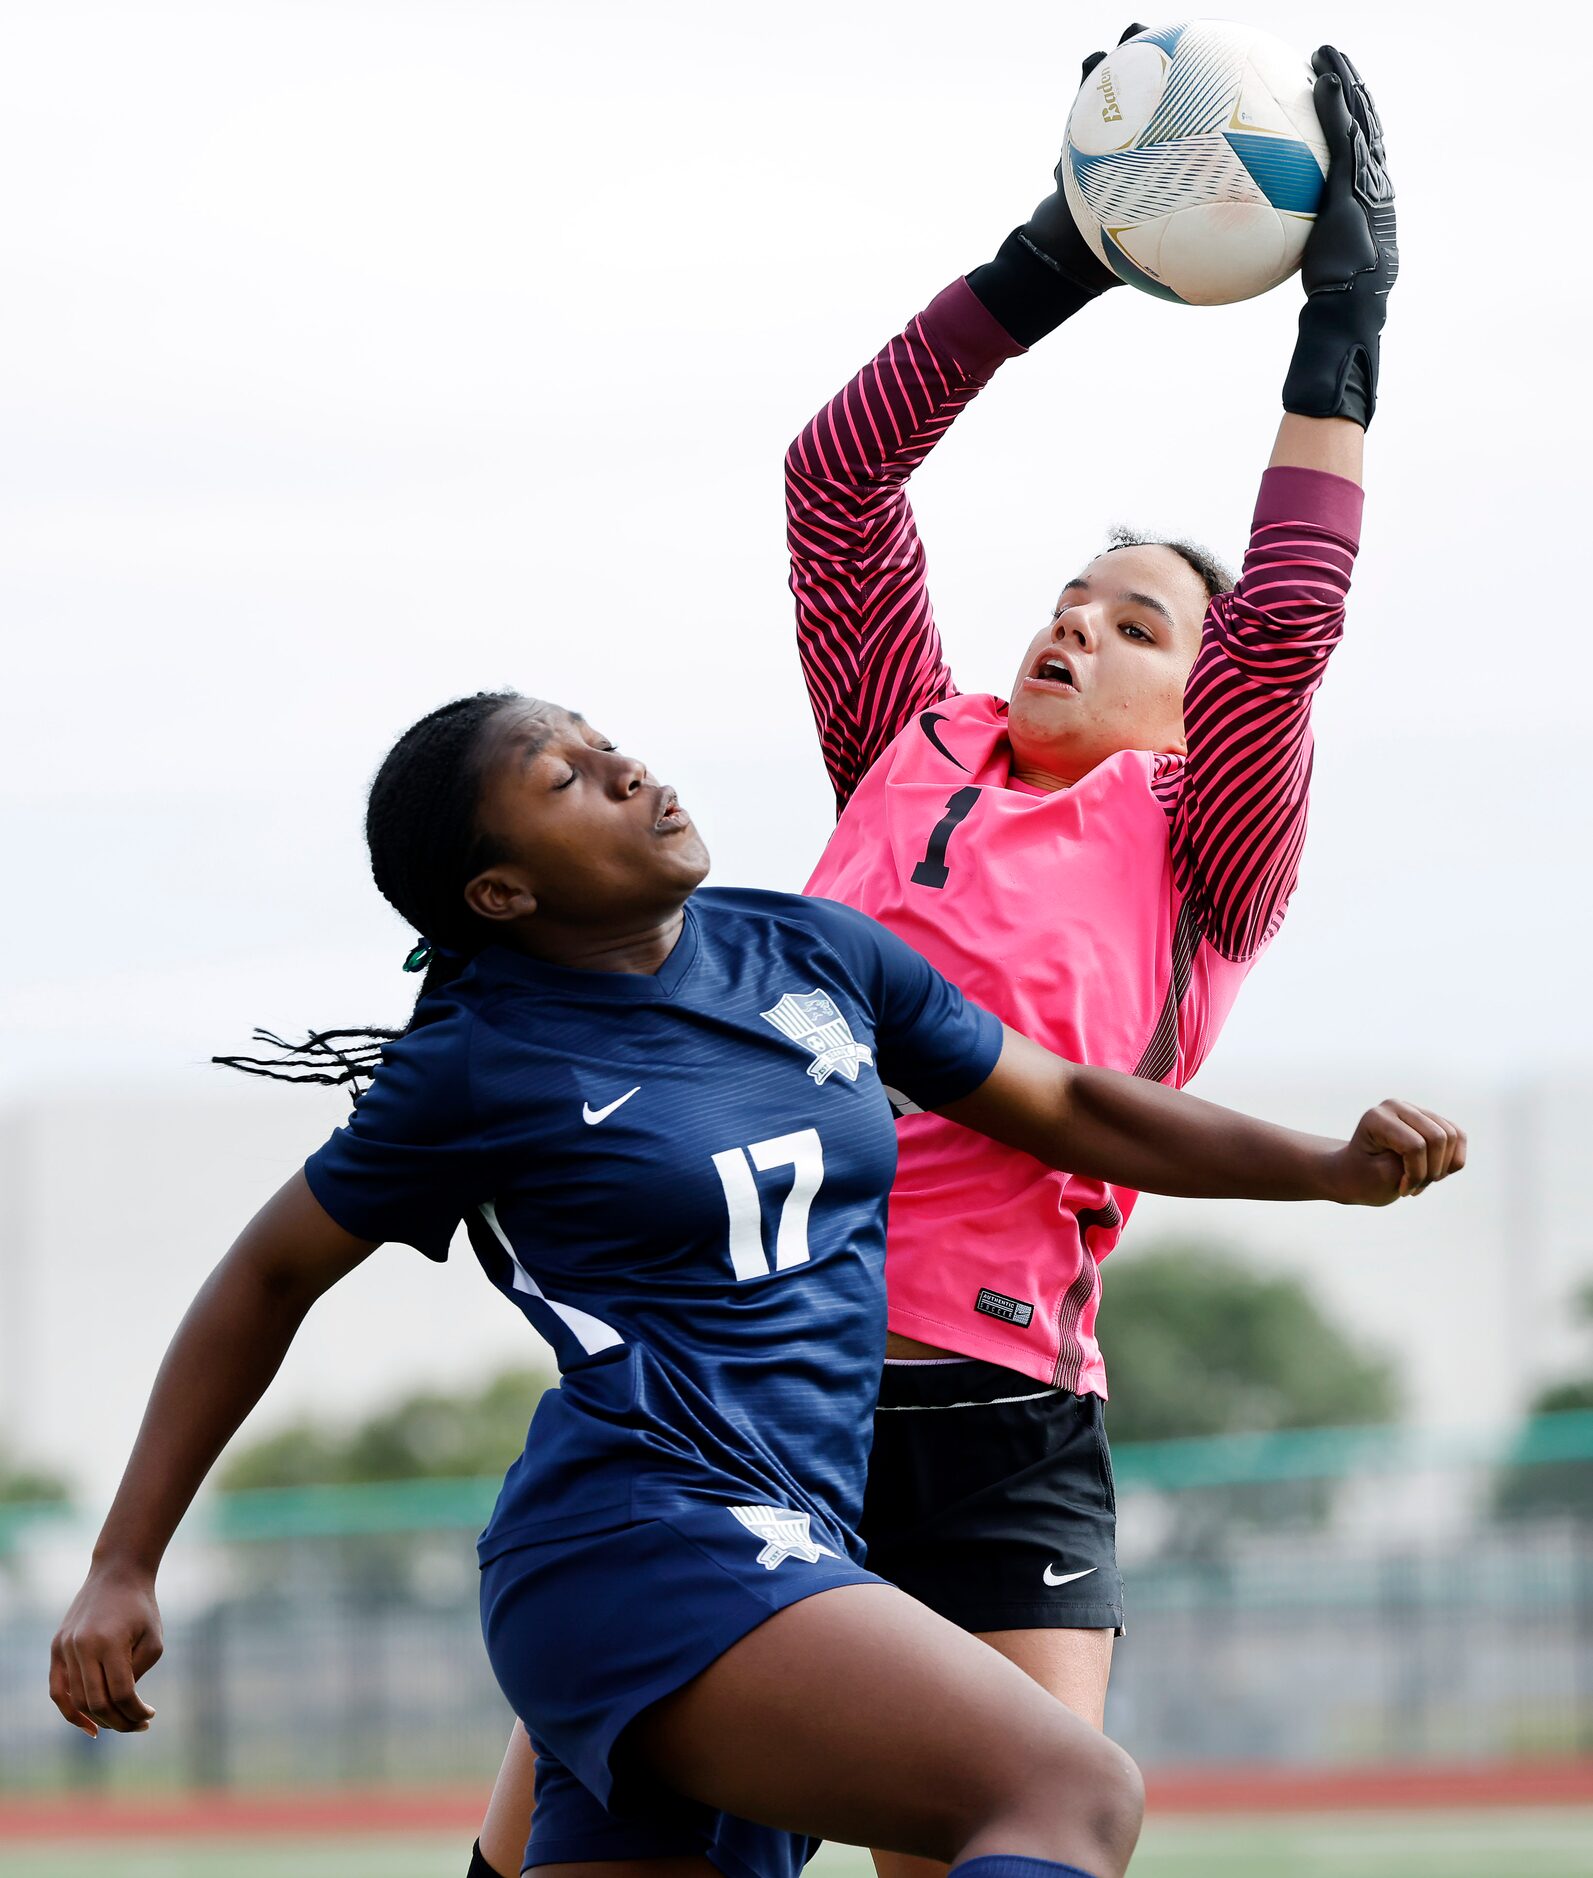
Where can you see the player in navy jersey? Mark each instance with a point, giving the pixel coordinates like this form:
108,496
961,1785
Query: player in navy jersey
662,1114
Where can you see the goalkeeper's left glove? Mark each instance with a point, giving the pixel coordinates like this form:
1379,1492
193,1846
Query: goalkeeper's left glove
1351,259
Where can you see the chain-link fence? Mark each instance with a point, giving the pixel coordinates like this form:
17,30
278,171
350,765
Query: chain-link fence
1327,1599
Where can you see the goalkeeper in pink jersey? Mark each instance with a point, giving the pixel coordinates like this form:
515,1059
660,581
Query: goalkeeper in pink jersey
1099,859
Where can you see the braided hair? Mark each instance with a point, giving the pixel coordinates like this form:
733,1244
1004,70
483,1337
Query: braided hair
426,844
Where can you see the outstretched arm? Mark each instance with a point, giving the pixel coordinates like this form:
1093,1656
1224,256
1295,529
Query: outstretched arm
1238,806
1135,1133
226,1350
865,629
870,653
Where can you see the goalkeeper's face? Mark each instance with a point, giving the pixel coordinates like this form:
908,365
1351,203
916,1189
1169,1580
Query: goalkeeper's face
1108,671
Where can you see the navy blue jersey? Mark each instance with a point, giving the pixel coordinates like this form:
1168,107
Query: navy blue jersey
681,1179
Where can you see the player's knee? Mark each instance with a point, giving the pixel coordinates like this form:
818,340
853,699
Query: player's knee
1094,1801
1115,1795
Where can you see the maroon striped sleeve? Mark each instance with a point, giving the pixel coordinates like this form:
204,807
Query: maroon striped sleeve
865,629
1238,803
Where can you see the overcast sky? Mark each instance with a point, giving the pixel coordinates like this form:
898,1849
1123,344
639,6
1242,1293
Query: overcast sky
357,355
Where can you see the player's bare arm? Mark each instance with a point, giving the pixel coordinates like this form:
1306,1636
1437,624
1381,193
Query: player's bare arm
1098,1121
1334,445
228,1347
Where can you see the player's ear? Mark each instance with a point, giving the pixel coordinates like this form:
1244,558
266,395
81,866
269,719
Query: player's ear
501,893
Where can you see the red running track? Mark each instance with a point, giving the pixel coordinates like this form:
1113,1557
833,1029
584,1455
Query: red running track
369,1811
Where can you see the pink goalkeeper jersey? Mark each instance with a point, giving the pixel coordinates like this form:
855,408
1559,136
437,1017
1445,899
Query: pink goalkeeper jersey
1112,921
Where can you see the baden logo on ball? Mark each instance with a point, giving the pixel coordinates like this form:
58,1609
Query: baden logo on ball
1194,161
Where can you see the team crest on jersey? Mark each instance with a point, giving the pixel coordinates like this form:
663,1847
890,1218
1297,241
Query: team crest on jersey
784,1535
812,1019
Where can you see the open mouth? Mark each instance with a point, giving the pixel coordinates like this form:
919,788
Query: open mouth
1051,670
671,816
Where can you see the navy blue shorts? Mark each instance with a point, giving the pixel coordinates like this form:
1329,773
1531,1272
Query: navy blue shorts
584,1634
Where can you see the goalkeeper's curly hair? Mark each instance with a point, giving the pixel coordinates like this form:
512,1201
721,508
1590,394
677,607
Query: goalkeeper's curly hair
1214,575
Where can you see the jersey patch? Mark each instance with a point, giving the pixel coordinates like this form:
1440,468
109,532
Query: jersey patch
784,1534
1009,1310
812,1019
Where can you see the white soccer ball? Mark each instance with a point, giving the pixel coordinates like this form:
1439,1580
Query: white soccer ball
1194,161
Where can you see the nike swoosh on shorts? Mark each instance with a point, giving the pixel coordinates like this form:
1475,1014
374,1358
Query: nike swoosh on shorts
1066,1578
590,1114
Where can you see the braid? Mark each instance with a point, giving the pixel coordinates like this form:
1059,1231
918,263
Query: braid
356,1053
425,846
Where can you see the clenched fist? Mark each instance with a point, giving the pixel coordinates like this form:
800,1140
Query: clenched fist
108,1638
1397,1150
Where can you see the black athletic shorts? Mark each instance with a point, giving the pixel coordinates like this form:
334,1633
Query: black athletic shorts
990,1499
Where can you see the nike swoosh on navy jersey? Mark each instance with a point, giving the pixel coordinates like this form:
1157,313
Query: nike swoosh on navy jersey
590,1114
926,723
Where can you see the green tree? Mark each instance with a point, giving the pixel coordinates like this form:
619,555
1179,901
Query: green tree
21,1484
1548,1489
424,1435
427,1435
1199,1343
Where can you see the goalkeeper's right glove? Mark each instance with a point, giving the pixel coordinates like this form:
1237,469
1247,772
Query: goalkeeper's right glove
1045,271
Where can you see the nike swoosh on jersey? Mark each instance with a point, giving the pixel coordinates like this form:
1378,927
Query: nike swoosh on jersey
1066,1578
590,1114
926,723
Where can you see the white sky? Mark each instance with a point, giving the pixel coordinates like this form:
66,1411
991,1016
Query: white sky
359,355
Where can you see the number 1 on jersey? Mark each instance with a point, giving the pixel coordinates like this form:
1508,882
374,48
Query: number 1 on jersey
932,870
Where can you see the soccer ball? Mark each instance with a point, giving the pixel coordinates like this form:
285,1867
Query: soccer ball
1194,161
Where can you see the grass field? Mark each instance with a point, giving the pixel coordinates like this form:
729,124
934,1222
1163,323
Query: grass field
1551,1843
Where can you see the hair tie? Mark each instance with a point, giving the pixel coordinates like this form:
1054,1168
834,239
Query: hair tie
420,956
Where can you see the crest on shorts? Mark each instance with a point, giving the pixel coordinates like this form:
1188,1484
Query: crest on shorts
812,1019
784,1534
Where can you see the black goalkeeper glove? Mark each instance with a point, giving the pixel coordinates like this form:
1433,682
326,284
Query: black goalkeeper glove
1351,258
1045,271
